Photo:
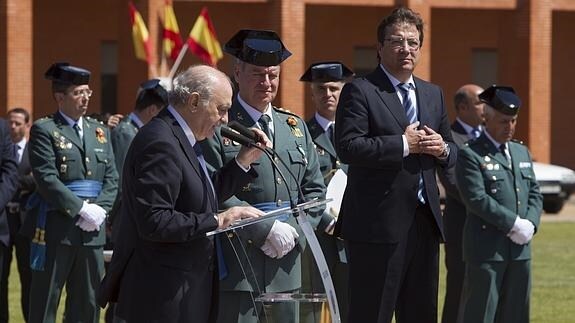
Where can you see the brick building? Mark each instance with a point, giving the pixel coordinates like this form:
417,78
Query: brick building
523,43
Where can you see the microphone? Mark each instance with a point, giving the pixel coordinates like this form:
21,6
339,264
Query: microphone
238,137
245,131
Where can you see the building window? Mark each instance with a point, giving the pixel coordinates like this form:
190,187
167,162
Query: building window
484,65
109,77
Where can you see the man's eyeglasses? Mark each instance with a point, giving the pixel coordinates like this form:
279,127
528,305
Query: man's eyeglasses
399,43
87,93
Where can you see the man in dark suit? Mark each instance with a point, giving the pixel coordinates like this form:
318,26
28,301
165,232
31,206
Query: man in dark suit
393,132
73,166
164,268
274,247
8,186
20,124
326,81
498,187
467,125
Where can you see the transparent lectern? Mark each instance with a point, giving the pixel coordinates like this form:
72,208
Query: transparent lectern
302,218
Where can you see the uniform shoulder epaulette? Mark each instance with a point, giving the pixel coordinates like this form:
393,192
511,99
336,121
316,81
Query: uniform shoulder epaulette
93,120
44,119
518,141
286,111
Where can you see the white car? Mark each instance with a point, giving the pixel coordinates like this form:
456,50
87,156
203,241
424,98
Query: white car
556,184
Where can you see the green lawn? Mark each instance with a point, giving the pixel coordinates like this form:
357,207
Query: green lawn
553,295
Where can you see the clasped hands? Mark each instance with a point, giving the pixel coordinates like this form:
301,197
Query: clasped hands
91,217
522,231
424,141
280,240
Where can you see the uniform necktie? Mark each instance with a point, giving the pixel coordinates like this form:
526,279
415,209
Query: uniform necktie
264,123
503,150
410,111
222,268
331,134
77,130
19,153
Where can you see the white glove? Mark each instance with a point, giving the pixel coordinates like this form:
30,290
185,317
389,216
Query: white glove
282,237
269,250
87,225
93,213
522,231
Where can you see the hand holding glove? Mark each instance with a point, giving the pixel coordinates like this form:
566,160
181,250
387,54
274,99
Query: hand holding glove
282,237
93,213
269,250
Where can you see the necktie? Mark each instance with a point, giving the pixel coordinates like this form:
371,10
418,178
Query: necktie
412,117
331,134
407,103
19,153
503,150
77,130
264,123
222,268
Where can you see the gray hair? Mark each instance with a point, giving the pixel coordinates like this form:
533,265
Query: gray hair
201,79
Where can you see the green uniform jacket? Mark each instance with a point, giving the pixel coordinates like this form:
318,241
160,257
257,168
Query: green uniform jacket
494,195
294,145
58,156
122,137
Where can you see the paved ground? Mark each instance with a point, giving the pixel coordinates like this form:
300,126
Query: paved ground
567,214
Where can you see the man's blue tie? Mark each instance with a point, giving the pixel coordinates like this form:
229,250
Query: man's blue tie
222,268
411,114
475,132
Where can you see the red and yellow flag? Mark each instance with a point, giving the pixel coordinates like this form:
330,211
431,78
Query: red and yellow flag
172,39
140,35
203,41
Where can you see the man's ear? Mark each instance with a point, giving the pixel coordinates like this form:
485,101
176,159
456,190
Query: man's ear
193,101
58,97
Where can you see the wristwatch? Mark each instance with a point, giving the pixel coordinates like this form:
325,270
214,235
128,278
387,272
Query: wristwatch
445,152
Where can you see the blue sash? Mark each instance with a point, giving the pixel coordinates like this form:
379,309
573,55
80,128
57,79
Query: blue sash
84,189
270,206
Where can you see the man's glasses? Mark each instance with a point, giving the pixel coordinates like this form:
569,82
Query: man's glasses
398,43
87,93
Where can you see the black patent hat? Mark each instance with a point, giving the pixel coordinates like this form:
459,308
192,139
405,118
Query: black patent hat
332,71
67,74
257,47
502,99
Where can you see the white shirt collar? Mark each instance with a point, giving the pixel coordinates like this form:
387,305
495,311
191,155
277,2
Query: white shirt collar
187,130
323,122
395,82
22,143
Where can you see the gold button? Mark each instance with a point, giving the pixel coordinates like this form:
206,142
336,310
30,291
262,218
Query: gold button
279,180
250,241
89,173
87,159
518,202
517,189
64,158
68,211
230,235
484,227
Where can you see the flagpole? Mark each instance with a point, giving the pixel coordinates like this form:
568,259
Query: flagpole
178,61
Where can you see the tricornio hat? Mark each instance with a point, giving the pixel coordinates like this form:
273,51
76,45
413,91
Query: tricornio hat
67,74
151,92
327,72
502,99
257,47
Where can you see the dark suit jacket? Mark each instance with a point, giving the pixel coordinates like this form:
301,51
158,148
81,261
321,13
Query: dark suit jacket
164,267
381,194
8,178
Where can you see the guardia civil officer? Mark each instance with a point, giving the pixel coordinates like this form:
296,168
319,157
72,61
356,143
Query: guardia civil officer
326,80
73,166
273,248
497,185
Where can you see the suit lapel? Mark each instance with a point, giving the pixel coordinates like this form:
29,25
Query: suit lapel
67,131
422,97
388,95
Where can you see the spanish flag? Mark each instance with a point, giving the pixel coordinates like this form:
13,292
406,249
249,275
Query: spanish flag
203,41
172,39
140,35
